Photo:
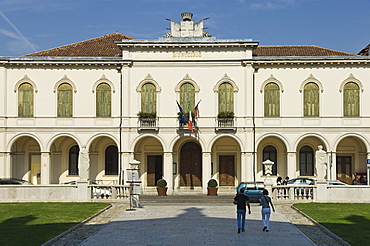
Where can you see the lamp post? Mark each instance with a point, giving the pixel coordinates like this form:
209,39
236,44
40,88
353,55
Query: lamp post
134,181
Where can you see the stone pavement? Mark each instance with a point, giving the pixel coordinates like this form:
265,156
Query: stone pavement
187,223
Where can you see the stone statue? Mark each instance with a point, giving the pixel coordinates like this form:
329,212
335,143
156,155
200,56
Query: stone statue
321,162
83,164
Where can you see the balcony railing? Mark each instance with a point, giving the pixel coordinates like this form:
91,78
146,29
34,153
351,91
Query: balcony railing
225,124
148,124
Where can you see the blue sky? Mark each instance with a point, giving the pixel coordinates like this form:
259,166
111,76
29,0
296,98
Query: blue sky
27,26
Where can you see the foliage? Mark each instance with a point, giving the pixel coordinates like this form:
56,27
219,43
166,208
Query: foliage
350,221
36,223
212,183
161,183
147,115
225,115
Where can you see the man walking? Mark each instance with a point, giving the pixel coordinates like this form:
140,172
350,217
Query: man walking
241,200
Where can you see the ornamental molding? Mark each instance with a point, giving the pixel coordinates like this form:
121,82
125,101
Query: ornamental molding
272,79
25,79
187,79
103,79
148,79
225,79
66,80
311,79
351,78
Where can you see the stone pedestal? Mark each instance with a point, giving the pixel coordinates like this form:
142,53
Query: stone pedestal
84,193
321,191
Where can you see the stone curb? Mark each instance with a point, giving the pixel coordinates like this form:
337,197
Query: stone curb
51,241
323,228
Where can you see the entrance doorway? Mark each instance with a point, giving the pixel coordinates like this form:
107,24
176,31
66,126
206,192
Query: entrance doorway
154,169
344,169
227,170
191,165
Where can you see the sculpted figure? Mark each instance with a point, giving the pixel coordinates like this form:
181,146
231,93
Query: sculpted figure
83,164
321,161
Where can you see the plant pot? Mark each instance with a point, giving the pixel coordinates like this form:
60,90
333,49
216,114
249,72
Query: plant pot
212,191
162,191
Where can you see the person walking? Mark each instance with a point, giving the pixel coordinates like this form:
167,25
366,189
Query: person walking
265,202
241,200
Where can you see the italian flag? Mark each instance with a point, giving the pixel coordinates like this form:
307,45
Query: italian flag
190,121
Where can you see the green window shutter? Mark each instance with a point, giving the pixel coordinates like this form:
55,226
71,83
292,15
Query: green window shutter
65,100
225,98
272,100
311,99
25,100
351,99
103,100
187,97
148,98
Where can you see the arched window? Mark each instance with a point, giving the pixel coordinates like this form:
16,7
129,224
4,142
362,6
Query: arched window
111,160
272,100
65,100
225,98
73,160
270,153
351,99
306,161
103,100
25,100
187,97
311,100
148,99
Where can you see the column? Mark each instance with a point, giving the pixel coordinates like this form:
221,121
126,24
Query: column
206,170
167,171
291,164
45,168
245,170
333,166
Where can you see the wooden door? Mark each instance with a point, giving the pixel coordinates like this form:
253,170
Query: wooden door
191,165
154,169
227,170
344,169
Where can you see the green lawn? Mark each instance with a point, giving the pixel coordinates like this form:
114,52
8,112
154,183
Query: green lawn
350,221
36,223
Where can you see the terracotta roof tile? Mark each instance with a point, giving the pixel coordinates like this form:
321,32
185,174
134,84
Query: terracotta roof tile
103,46
296,50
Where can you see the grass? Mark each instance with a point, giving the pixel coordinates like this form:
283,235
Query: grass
350,221
36,223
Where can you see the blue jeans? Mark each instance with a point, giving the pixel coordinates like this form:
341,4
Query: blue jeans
266,212
240,215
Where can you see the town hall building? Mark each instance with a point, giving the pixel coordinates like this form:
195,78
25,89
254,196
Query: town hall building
188,106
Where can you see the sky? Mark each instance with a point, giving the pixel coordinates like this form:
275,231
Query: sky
27,26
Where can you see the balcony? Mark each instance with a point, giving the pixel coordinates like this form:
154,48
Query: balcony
148,124
225,124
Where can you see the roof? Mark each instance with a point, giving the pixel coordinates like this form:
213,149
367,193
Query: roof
297,50
364,51
103,46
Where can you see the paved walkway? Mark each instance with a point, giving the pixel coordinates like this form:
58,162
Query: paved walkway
194,224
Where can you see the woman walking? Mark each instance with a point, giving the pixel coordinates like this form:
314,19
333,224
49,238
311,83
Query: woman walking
265,202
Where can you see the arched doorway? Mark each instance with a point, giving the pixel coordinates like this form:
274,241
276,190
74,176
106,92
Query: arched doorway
191,165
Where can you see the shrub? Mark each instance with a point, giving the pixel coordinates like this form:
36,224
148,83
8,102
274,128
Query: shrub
161,183
212,183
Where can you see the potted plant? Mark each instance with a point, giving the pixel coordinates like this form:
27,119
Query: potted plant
212,187
161,187
143,115
226,115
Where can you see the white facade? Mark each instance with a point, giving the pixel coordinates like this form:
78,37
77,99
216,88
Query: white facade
37,148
